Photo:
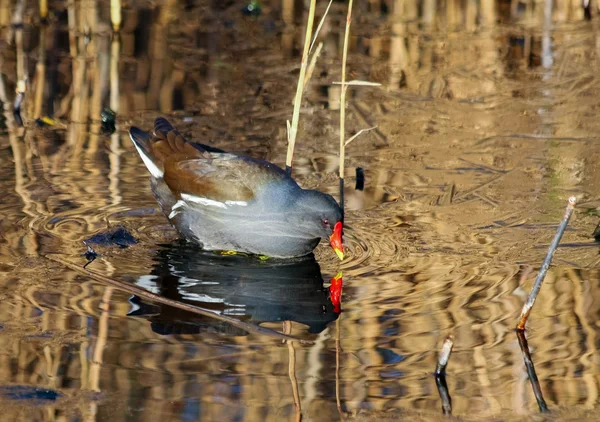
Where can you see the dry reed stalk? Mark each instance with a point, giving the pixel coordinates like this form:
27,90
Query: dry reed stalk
293,127
319,26
343,106
311,66
546,264
115,14
145,294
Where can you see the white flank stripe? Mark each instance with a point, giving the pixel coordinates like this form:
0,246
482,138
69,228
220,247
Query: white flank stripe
238,203
203,201
154,170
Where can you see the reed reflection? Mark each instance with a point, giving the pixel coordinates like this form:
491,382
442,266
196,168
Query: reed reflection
240,286
535,383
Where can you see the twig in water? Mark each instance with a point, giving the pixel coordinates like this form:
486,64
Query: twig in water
535,383
440,375
544,269
293,128
145,294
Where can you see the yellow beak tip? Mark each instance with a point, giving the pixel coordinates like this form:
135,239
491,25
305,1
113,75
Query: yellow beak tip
340,254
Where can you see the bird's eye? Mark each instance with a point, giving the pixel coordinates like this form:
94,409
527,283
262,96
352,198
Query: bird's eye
325,222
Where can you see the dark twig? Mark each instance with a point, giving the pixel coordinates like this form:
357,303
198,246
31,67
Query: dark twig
544,269
535,383
145,294
440,376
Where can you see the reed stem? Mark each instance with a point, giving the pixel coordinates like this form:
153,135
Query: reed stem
343,105
546,264
293,129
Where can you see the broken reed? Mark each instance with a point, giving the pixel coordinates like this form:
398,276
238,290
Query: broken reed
546,264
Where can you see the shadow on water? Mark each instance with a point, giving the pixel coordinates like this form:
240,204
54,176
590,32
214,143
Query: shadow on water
243,287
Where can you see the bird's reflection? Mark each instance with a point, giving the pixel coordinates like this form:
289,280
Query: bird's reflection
239,286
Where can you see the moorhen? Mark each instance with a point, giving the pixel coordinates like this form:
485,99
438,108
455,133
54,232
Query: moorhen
228,202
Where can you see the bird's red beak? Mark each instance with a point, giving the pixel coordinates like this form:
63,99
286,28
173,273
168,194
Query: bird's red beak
335,240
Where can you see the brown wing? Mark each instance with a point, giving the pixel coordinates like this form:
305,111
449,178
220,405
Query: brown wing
172,145
223,177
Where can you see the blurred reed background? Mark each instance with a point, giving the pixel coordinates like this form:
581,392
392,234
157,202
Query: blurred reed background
230,78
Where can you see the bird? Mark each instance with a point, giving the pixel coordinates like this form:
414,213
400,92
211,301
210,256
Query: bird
228,202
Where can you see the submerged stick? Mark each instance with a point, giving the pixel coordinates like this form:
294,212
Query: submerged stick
544,269
440,376
298,100
535,383
343,106
145,294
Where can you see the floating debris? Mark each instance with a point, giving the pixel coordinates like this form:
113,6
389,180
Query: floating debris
109,118
118,236
30,393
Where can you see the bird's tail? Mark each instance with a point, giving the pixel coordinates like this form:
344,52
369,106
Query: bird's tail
165,142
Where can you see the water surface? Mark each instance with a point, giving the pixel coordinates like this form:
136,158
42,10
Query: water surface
486,123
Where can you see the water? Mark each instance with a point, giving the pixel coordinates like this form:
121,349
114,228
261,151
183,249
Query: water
487,123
